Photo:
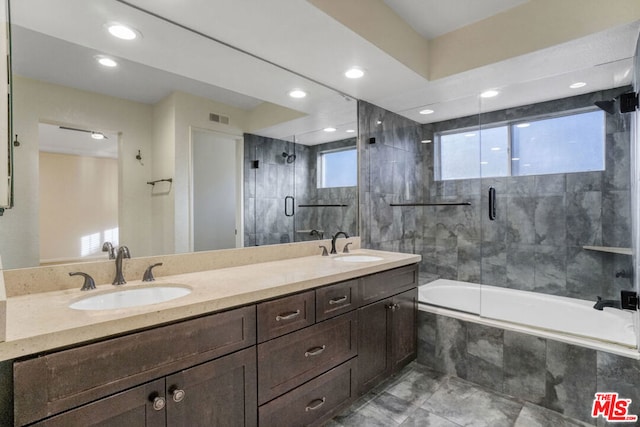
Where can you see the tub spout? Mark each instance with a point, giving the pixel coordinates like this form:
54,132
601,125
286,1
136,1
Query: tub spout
602,303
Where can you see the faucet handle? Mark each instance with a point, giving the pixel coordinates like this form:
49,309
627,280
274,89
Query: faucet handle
324,250
345,250
148,273
88,283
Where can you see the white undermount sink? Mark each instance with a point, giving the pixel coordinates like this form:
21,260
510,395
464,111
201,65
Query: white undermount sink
357,258
132,297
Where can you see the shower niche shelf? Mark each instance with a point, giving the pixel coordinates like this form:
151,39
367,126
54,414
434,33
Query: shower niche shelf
610,249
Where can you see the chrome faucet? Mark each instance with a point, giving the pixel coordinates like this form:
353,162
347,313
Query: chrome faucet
602,303
334,238
123,252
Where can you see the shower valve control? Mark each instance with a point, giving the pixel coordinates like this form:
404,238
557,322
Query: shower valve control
629,300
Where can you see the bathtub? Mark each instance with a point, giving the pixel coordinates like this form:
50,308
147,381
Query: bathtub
565,319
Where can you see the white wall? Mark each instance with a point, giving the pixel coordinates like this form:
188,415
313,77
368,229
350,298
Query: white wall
88,189
35,102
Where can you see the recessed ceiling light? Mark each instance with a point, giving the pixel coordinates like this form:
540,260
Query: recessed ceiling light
515,159
122,31
97,135
297,93
489,93
577,85
427,111
469,135
329,129
484,163
354,73
350,131
523,125
379,122
106,61
495,148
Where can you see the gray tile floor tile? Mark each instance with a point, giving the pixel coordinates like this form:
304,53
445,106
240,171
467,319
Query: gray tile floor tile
536,416
419,396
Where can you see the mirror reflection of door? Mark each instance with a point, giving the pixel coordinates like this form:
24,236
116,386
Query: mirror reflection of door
215,191
78,179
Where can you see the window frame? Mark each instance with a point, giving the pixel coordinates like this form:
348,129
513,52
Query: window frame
510,124
320,164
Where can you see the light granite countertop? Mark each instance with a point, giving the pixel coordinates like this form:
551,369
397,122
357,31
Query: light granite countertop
43,321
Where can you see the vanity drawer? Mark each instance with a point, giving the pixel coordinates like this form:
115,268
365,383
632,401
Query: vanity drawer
53,383
336,299
387,283
286,362
313,402
286,314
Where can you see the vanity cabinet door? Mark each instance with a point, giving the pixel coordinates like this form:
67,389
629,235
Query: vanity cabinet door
139,407
219,393
387,337
404,329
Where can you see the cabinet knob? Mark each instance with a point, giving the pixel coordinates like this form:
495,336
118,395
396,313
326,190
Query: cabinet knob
158,403
393,307
177,394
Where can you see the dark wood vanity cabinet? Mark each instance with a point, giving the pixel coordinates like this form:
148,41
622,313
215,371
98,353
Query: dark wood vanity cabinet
217,393
387,329
290,361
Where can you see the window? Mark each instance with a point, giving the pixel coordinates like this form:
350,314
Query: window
338,168
560,144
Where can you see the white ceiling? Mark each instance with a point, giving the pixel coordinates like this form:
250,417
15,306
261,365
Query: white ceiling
304,42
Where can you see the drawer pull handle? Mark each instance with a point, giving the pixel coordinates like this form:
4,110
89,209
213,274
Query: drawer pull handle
312,406
337,300
314,351
287,316
158,403
177,394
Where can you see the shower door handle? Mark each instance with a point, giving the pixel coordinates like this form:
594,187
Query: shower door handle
492,204
289,206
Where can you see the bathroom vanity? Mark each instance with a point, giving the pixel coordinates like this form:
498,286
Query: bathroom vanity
292,358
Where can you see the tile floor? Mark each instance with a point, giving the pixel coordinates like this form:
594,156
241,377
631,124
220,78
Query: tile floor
419,396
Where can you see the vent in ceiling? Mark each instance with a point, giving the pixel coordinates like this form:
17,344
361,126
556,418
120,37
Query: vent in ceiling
219,118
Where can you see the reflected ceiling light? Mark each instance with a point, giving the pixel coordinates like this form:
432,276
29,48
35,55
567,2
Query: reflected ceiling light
495,148
469,135
489,93
354,73
106,61
427,111
329,129
426,141
577,85
297,93
523,125
122,31
484,163
379,122
515,159
350,131
97,135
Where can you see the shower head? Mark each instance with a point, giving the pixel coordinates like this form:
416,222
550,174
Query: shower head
606,106
289,157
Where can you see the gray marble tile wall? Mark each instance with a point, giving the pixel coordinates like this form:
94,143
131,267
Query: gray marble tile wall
390,172
266,187
559,376
536,243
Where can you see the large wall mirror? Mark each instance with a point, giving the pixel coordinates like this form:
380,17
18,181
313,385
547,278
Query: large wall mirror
167,143
5,118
